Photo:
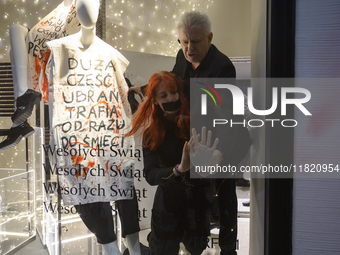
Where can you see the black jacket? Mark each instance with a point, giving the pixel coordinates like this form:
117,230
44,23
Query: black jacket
215,64
234,143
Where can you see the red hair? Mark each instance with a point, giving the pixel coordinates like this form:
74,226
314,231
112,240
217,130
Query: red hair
151,117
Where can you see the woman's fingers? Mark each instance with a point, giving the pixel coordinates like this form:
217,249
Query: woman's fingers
215,144
194,133
203,135
209,139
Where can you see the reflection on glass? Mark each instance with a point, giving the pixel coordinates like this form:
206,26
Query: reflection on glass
17,210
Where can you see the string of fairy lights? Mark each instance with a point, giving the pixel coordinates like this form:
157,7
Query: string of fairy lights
144,26
147,26
134,25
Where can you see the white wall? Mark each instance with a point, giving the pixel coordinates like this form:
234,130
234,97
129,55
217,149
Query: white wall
258,70
231,26
143,65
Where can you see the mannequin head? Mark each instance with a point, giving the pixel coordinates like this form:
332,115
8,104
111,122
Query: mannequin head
87,11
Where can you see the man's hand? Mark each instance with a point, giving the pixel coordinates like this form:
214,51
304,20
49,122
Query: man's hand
137,89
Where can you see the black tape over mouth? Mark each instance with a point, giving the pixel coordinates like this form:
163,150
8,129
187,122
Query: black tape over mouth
171,106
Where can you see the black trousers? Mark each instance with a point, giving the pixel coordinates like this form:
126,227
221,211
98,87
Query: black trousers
98,218
180,215
227,210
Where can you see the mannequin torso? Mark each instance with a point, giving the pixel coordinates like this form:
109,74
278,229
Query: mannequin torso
82,64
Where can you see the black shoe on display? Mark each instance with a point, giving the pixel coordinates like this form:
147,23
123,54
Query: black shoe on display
246,203
243,182
228,253
25,104
15,134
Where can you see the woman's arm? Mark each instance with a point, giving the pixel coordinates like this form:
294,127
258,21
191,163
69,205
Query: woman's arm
154,173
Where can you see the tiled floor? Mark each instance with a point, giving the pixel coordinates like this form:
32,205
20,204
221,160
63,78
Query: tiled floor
243,194
34,247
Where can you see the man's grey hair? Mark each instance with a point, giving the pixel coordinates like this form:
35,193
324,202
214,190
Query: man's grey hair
194,19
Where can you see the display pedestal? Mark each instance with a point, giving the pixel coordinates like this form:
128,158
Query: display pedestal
18,214
29,204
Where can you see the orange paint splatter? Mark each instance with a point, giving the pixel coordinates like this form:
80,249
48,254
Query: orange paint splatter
119,166
76,160
44,83
37,65
91,164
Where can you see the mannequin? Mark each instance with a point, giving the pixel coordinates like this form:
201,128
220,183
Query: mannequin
80,50
27,48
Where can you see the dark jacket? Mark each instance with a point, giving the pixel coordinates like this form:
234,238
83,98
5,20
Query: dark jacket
234,142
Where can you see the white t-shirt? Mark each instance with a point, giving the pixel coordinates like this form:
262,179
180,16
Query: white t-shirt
91,109
62,21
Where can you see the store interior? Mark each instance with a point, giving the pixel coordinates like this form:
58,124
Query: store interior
145,34
263,39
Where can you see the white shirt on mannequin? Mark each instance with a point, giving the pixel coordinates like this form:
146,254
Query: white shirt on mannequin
84,53
89,110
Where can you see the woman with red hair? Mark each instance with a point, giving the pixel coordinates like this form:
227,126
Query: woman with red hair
182,205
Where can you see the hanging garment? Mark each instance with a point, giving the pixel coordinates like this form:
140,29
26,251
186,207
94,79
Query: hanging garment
91,114
62,21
